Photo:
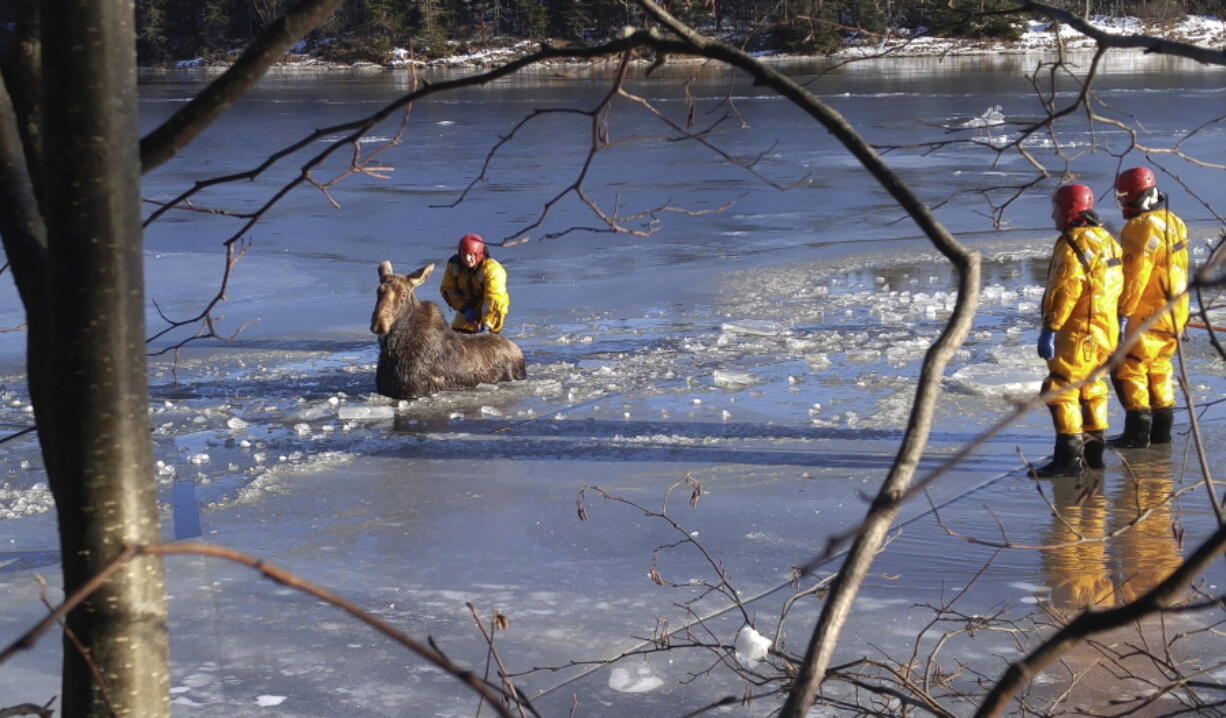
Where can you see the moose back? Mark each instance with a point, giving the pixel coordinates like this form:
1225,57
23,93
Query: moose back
420,355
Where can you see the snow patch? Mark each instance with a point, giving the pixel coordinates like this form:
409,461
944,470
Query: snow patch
267,701
751,646
991,117
622,681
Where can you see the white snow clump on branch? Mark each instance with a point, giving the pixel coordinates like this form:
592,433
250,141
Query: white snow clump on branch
751,646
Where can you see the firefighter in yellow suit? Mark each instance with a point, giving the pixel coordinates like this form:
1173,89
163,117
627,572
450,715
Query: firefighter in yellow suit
1080,329
1155,246
475,285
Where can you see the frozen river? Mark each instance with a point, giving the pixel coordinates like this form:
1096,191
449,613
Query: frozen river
768,351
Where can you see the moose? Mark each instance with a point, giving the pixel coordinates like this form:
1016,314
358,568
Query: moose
420,355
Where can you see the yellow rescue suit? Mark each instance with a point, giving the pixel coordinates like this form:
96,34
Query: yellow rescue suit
483,287
1084,283
1155,246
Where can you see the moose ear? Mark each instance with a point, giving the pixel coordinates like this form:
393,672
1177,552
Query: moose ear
385,270
419,277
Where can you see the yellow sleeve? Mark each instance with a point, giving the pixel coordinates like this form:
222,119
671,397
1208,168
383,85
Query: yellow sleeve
1064,284
450,289
1138,263
497,301
1178,265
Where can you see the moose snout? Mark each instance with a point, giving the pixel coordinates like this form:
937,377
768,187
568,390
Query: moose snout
378,325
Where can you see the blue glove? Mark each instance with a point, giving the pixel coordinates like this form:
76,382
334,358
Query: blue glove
482,329
470,313
1047,343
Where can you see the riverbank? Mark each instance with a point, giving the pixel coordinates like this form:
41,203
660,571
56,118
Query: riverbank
1041,37
1207,31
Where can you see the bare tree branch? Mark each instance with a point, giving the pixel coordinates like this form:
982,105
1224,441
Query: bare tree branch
281,576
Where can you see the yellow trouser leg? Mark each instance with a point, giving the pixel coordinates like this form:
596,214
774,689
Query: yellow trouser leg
1143,380
1065,406
1094,406
1161,386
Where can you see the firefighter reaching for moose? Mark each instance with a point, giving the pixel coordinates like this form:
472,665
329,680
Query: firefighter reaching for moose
1080,329
475,285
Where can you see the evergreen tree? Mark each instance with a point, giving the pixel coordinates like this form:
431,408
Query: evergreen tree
532,19
432,31
152,45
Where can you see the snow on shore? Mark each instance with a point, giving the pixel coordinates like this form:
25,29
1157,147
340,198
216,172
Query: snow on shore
1201,30
1040,37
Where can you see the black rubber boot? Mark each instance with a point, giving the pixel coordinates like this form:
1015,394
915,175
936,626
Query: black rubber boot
1093,443
1065,460
1160,432
1137,426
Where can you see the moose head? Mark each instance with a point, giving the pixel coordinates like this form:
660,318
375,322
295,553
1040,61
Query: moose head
395,291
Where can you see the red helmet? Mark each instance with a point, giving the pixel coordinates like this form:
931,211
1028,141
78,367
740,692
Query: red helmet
1133,183
472,244
1068,202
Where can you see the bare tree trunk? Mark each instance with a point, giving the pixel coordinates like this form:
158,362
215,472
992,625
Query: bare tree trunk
70,164
87,362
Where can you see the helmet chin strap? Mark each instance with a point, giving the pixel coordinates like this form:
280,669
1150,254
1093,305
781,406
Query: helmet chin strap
1148,199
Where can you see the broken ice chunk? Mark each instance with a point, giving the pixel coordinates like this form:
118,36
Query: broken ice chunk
991,117
996,380
314,411
365,412
756,327
818,362
733,380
